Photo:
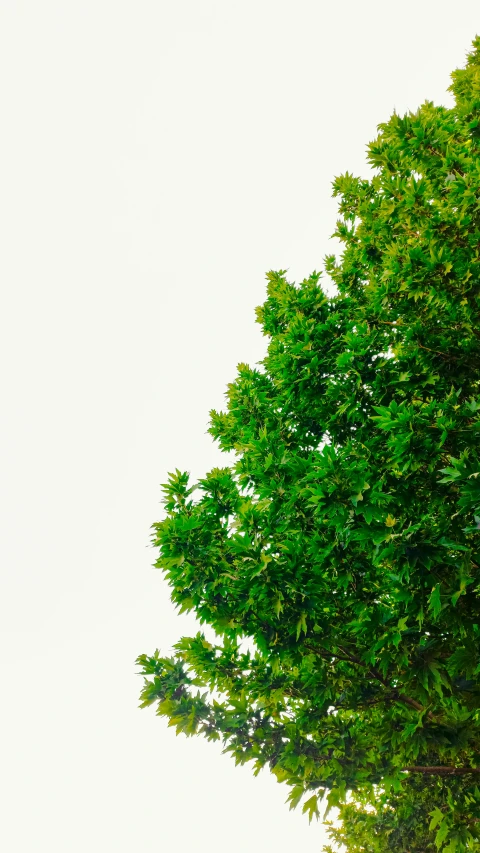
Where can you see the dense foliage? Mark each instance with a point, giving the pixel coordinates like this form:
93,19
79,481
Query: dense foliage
343,541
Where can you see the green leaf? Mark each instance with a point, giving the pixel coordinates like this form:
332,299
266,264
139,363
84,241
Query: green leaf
295,796
441,833
301,625
334,799
310,806
435,603
437,816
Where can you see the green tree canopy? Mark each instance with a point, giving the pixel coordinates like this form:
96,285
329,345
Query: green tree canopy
343,541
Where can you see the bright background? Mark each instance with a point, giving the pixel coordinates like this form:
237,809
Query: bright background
157,159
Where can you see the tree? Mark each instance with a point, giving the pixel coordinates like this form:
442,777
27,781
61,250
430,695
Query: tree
343,541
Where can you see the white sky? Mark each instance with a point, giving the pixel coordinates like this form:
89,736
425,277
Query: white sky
157,159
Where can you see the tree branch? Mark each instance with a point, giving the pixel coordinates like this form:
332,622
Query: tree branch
441,770
349,658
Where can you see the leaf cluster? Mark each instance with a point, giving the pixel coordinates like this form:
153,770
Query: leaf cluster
342,543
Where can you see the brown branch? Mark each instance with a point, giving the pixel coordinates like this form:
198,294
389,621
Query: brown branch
434,151
437,351
379,677
349,658
328,654
401,696
442,770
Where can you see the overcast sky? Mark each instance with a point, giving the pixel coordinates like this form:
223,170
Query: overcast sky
158,158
